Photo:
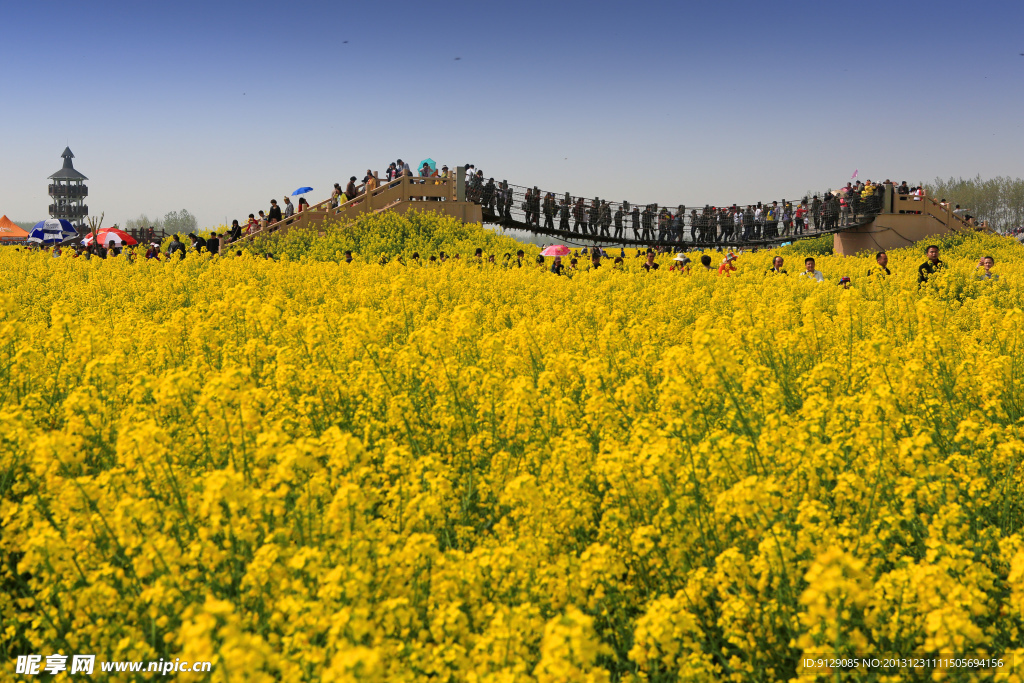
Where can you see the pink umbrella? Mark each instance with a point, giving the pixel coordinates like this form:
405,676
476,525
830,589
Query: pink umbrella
556,250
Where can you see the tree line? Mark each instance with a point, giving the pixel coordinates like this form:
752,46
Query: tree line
181,222
999,200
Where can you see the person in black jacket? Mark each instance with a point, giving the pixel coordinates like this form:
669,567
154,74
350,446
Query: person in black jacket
198,243
931,265
549,211
647,221
488,195
176,246
563,213
274,215
508,198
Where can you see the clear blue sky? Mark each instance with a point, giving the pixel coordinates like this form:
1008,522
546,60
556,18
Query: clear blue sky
217,107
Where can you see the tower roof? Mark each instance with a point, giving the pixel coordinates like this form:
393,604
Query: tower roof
68,171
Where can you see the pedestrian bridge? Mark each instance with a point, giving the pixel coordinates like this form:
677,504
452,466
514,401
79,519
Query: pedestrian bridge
878,223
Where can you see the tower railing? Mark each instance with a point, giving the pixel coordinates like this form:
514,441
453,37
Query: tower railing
69,191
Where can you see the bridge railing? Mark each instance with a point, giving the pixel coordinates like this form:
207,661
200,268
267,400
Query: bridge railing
651,225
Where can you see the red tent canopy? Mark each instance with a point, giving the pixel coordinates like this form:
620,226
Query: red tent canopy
9,232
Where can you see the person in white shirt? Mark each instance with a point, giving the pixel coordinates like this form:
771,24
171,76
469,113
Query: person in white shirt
757,221
810,271
289,208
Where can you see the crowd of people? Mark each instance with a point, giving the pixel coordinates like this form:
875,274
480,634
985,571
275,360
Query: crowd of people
214,244
353,191
578,260
681,263
662,225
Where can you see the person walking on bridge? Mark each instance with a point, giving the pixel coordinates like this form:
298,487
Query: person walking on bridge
274,215
660,225
499,202
832,213
618,222
634,216
816,212
787,218
606,218
579,216
801,213
508,199
771,222
489,195
646,221
549,211
563,212
528,205
748,222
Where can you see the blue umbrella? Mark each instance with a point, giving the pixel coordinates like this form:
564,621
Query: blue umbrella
52,230
429,162
302,190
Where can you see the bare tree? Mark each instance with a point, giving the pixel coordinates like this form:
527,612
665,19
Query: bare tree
95,225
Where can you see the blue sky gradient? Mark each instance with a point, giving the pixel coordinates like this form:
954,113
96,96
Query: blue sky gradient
218,107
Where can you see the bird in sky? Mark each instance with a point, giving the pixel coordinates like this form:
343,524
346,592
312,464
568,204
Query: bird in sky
458,58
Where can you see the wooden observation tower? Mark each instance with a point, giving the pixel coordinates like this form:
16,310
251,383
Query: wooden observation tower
68,192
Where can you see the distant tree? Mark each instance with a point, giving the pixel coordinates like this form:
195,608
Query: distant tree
143,222
999,200
181,222
26,225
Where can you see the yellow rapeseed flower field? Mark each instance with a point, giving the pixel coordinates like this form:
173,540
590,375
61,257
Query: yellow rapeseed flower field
307,470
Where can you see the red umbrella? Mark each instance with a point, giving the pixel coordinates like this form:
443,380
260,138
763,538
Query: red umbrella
119,237
556,250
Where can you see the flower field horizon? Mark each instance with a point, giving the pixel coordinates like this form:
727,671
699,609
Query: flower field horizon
307,470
